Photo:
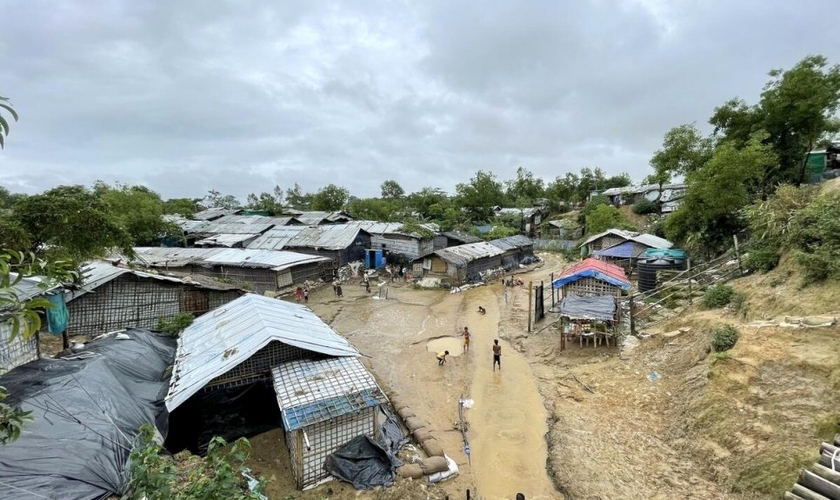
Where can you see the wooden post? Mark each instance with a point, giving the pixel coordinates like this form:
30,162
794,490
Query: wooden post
65,340
632,317
737,254
375,423
530,303
299,457
688,273
552,290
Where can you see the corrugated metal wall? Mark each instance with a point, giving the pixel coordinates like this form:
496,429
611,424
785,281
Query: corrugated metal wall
410,247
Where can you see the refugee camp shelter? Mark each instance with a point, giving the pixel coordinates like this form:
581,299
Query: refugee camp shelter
564,229
172,259
668,196
394,238
266,270
530,218
86,408
453,238
460,263
222,379
221,234
112,297
591,277
516,250
324,404
18,351
341,243
613,237
316,218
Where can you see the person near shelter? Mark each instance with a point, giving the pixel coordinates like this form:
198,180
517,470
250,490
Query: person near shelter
497,355
466,334
520,496
339,291
441,357
306,295
298,294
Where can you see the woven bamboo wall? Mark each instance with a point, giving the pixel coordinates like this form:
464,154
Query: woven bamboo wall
15,352
590,286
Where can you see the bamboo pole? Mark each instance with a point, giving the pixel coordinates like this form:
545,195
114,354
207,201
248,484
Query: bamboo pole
530,303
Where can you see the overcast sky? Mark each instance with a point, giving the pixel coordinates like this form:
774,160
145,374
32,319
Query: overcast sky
187,96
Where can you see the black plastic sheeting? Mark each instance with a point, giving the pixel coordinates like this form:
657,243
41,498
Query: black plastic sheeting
367,463
362,462
600,307
231,413
86,413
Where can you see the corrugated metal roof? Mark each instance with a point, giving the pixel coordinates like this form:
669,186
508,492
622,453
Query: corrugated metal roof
214,227
222,339
374,227
461,236
227,240
276,238
461,255
644,238
253,219
523,212
274,259
173,256
213,213
98,273
641,189
514,242
313,217
309,392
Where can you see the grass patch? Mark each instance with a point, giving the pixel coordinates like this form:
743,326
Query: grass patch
828,427
772,473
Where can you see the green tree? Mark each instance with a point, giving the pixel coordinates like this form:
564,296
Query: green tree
330,198
478,197
429,203
711,211
605,217
8,199
525,189
215,199
139,210
296,198
391,190
374,209
684,150
73,221
796,110
269,202
563,189
4,124
23,316
181,206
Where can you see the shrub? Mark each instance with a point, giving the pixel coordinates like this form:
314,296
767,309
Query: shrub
174,326
644,206
724,338
762,258
739,303
718,296
218,476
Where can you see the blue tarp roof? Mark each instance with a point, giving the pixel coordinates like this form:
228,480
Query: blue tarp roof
621,251
586,273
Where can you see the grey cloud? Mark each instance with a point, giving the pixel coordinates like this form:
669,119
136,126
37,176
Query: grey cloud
184,98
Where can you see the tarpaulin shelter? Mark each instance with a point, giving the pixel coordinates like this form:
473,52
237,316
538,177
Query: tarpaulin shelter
599,307
592,277
86,410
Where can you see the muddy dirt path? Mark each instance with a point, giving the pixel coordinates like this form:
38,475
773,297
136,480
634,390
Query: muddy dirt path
508,423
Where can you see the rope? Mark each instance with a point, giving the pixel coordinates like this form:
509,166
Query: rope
24,490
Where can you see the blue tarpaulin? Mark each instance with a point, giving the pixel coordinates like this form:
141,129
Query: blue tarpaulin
621,251
594,273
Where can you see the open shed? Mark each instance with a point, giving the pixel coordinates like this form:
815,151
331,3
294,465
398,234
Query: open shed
591,277
324,404
224,380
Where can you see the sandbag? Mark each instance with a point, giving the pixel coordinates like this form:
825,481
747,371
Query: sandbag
406,412
434,464
448,474
397,403
410,471
422,435
414,423
432,447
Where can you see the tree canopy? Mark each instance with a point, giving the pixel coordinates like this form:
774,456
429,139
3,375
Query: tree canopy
4,123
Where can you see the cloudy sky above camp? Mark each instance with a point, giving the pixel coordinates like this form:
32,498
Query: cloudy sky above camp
192,95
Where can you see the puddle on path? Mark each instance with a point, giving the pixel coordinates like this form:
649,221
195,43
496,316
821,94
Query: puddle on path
508,423
453,345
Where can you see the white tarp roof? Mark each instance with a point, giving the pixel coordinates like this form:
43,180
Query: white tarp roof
222,339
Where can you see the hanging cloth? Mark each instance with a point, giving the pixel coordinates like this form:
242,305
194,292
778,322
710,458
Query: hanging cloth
57,316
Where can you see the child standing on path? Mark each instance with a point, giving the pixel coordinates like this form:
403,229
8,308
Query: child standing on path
306,295
497,355
466,335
